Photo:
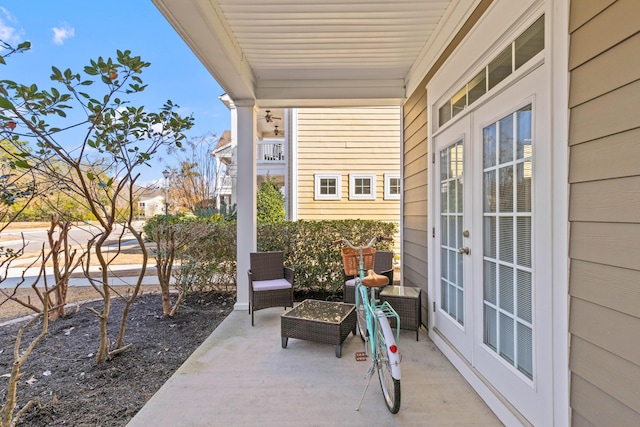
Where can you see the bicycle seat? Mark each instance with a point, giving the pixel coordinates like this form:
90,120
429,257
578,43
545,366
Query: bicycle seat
374,280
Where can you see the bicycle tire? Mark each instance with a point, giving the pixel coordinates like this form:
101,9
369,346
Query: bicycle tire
361,317
389,385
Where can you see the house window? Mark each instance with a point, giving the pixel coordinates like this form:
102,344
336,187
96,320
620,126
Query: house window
517,53
362,186
328,186
392,186
142,209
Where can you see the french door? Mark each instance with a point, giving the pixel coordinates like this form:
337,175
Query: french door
453,203
490,198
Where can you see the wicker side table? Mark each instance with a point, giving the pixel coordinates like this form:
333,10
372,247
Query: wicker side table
405,300
324,322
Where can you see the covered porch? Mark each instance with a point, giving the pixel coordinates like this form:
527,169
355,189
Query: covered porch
242,376
296,54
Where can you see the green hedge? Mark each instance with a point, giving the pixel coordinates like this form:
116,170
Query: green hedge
307,248
208,259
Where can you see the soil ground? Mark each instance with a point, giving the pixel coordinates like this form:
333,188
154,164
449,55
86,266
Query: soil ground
70,388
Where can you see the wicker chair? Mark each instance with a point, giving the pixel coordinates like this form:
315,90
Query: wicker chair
382,264
270,282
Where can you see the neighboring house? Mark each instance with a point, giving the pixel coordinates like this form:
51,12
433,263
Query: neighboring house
332,163
224,152
520,173
150,203
347,163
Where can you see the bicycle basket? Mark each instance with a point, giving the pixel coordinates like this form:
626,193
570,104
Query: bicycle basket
350,260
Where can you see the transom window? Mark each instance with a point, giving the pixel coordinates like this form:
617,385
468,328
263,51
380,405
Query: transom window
362,186
327,186
522,49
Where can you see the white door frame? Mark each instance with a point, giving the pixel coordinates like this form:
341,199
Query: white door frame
483,42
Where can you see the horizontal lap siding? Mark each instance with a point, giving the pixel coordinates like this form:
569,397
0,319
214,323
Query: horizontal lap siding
345,141
604,210
415,175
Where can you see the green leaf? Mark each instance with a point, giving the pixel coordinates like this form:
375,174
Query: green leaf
24,45
90,176
22,164
2,60
5,104
106,80
90,70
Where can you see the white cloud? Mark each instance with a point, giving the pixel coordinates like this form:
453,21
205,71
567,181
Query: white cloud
8,34
60,34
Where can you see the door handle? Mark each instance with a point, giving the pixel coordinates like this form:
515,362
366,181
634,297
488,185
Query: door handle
464,250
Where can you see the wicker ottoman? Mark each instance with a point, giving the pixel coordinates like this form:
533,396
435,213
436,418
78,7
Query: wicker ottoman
405,300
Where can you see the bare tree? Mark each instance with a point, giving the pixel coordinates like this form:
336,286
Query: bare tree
192,184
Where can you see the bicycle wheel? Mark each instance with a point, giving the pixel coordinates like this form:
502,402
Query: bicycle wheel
361,316
390,386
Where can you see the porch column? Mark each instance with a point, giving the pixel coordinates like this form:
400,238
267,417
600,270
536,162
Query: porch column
246,196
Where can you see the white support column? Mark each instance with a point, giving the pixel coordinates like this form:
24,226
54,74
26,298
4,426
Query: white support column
246,197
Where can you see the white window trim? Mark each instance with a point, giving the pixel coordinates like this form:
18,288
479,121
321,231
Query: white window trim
387,186
352,186
316,186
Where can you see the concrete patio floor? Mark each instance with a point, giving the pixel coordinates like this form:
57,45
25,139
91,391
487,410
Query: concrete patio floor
241,375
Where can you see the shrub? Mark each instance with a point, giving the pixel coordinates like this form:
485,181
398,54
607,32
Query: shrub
207,258
307,248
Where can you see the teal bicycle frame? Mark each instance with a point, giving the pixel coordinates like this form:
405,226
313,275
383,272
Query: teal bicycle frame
379,340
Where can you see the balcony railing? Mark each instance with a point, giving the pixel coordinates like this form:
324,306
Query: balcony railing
270,152
224,185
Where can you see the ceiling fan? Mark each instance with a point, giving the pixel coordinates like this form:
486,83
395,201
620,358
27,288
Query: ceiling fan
268,117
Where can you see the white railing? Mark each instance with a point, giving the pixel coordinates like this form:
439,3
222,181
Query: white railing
270,152
224,185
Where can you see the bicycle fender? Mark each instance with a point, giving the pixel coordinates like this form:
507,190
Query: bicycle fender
390,338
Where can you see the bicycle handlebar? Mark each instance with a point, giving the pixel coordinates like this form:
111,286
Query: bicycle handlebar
374,239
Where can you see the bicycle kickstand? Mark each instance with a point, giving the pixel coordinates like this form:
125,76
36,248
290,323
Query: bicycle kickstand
368,377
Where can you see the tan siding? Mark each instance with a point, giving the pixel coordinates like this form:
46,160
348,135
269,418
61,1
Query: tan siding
612,287
598,78
345,141
614,112
604,210
606,328
610,373
415,173
607,411
581,13
606,243
578,420
613,156
608,28
618,200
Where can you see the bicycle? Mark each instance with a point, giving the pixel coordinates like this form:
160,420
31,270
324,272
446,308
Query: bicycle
373,323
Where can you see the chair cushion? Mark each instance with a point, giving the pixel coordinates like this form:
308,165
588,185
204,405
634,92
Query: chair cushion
350,282
270,285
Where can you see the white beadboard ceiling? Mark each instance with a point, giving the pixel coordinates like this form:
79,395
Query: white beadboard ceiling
287,53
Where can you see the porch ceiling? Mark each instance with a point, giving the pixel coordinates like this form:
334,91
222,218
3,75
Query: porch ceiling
296,53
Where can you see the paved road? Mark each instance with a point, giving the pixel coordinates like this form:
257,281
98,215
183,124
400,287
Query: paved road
35,237
78,236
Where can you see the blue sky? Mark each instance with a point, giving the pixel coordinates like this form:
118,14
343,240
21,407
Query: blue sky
68,33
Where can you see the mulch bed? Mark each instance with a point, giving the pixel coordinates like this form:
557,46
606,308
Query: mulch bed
70,388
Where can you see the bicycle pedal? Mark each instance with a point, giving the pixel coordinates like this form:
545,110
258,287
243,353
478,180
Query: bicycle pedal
361,356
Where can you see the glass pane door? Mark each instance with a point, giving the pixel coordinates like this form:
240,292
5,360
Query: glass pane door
452,232
451,226
507,267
